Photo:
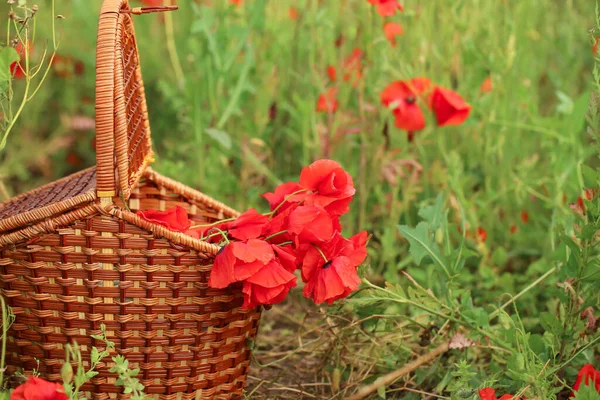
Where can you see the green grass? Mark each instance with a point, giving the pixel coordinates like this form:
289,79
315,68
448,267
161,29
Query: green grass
212,83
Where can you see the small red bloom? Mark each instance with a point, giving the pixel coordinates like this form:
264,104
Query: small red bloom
386,8
339,41
590,194
524,216
402,96
331,186
270,285
236,2
312,224
327,101
153,3
73,159
283,192
595,46
449,107
38,389
353,66
487,394
481,235
513,229
588,375
487,85
490,394
335,277
293,13
332,73
238,261
391,30
175,219
249,225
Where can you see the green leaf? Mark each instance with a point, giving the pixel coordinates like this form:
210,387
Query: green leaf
551,324
8,55
590,177
433,214
220,136
422,245
587,392
381,392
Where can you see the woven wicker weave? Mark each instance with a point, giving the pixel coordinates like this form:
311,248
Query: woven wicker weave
73,258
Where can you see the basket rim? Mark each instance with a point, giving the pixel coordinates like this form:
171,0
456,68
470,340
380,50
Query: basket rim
64,212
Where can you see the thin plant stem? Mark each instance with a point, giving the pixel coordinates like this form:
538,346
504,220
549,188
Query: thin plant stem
172,49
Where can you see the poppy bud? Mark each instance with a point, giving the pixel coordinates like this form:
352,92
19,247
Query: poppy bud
66,373
439,236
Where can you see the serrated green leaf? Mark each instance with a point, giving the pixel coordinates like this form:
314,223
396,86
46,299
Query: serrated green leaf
587,392
551,324
422,245
433,213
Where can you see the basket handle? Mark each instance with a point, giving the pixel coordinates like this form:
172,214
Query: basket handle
123,147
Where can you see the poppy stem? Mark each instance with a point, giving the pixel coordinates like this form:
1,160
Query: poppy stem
212,224
285,243
285,200
275,234
218,233
321,252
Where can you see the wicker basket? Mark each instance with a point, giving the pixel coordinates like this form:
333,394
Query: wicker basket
73,258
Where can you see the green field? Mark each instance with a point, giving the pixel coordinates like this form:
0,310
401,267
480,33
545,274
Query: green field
484,208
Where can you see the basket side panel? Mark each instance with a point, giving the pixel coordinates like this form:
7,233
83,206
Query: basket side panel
189,341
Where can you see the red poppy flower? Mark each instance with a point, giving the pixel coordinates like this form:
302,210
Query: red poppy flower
332,73
587,375
283,192
236,2
238,261
38,389
595,46
449,107
333,277
327,101
176,218
385,8
15,68
403,96
513,229
490,394
524,216
312,224
339,41
481,235
249,225
270,285
391,30
331,186
487,85
279,223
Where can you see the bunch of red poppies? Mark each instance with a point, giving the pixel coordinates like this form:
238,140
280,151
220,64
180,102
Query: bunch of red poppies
302,231
406,98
